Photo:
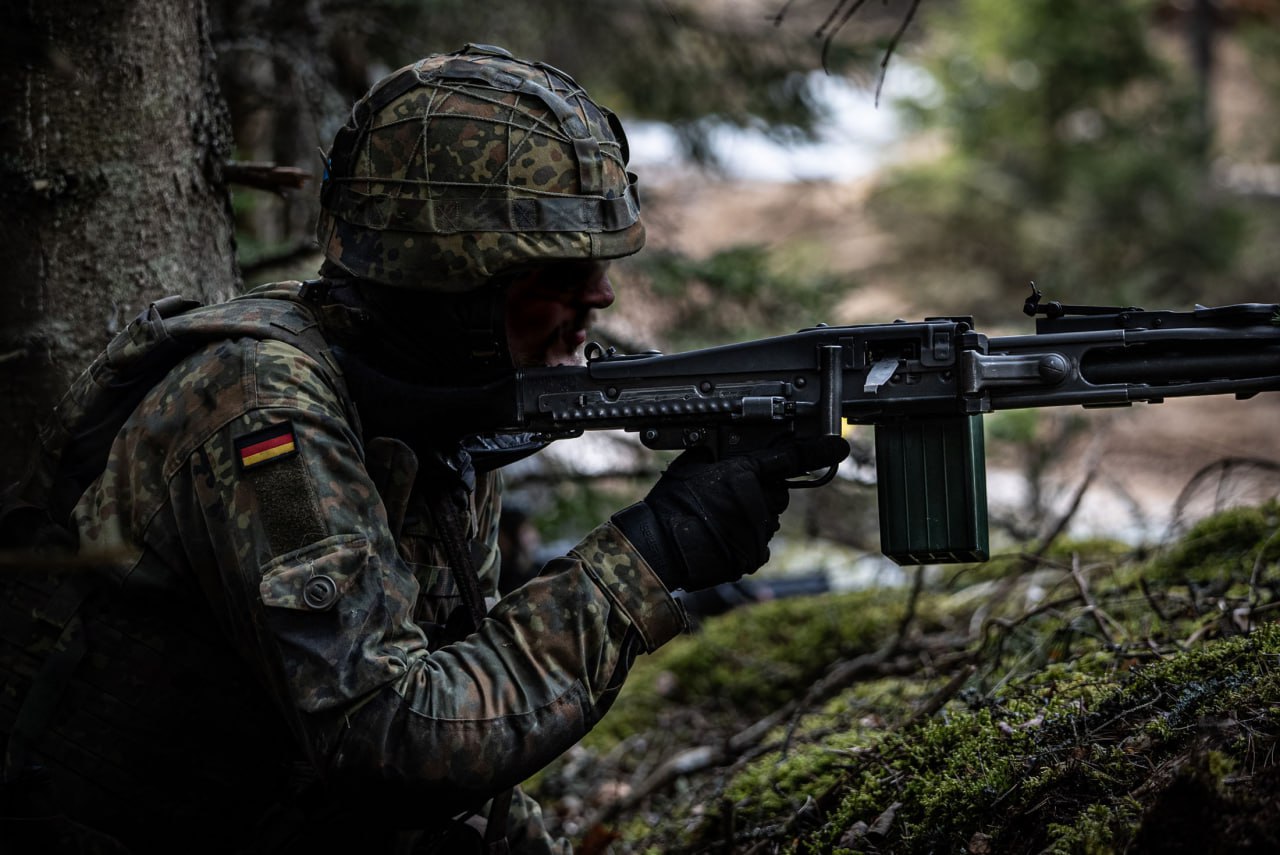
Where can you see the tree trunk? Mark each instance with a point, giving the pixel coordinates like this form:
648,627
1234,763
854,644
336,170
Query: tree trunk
111,195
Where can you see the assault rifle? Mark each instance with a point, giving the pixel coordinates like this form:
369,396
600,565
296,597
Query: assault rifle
924,386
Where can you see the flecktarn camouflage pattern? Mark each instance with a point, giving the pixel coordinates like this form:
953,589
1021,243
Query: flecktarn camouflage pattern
271,641
467,165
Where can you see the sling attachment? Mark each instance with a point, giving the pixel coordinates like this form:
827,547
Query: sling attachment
448,522
495,832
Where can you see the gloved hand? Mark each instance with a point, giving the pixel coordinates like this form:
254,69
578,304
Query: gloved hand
706,522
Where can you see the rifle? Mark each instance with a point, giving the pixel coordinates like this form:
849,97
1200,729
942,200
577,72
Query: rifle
924,386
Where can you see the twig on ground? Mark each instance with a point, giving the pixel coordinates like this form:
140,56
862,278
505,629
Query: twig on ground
836,679
1090,604
904,626
1222,468
1255,576
939,698
1064,519
748,741
1151,600
782,13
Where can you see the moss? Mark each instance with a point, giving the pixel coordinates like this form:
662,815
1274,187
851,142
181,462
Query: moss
1091,550
1222,548
749,662
1061,554
1065,738
570,507
776,785
1001,566
1094,831
1065,785
1196,811
822,747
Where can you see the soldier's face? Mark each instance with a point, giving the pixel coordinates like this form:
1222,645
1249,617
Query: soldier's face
548,312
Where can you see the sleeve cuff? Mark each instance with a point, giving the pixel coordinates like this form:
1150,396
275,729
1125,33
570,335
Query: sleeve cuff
631,584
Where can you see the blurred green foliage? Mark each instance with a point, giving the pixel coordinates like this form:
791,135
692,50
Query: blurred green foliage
737,293
1262,41
565,510
1222,549
1017,426
1076,155
1077,149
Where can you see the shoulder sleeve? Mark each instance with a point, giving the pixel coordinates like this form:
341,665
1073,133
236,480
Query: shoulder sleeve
294,534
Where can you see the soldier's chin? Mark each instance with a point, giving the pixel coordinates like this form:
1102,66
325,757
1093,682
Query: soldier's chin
553,355
567,349
563,358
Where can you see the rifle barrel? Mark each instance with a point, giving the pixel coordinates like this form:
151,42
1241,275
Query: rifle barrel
1179,364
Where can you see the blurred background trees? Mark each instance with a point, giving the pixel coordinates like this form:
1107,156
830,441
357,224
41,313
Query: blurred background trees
1085,147
1117,153
1122,152
291,71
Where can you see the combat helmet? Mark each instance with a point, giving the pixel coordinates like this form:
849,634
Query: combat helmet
467,165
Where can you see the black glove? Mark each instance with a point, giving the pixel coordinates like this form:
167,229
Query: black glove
706,522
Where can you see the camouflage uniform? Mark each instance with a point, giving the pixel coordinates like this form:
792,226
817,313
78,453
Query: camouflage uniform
244,500
279,602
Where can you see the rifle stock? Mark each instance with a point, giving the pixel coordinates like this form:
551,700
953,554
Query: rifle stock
924,386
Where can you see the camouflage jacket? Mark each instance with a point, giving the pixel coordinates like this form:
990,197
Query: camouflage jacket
241,486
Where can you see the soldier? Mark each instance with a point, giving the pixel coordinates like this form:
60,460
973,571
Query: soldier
281,633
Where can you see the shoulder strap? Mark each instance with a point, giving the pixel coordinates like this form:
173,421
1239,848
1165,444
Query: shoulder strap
76,440
448,521
449,524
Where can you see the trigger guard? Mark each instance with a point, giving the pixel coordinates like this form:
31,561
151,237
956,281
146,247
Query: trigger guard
808,483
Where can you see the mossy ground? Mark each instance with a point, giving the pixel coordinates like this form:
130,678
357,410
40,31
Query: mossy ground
1082,703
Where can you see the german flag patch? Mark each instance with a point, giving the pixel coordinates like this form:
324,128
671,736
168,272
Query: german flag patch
264,446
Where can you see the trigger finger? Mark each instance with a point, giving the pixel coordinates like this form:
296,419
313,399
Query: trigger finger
800,456
777,464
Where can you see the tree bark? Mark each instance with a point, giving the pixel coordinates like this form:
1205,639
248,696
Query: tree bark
111,195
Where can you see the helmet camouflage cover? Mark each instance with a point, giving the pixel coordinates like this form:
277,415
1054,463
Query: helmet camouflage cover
466,165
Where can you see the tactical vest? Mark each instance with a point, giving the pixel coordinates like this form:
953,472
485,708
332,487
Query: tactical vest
74,443
65,634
